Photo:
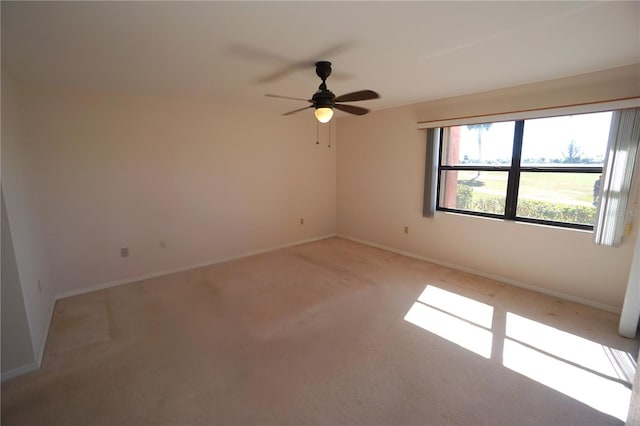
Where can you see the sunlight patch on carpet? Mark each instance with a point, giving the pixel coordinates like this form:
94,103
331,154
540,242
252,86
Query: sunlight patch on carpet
588,354
589,372
594,374
455,318
462,307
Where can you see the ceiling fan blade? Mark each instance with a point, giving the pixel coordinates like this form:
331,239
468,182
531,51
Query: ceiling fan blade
334,50
308,63
269,95
352,109
339,75
289,69
361,95
254,53
297,110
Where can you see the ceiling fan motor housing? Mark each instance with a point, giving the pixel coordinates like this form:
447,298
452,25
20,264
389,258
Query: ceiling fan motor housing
323,99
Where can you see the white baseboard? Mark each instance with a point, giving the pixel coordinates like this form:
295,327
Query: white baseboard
184,268
25,369
548,292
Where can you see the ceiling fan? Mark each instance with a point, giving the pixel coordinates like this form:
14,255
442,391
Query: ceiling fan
324,101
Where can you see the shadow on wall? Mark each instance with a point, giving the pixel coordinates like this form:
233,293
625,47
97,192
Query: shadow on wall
592,373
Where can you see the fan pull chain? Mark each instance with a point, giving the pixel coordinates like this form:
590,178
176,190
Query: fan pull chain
317,133
329,146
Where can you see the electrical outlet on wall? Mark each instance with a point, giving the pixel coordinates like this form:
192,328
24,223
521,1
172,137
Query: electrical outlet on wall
406,229
124,252
39,286
302,221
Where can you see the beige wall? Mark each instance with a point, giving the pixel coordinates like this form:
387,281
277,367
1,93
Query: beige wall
207,181
17,350
380,189
25,220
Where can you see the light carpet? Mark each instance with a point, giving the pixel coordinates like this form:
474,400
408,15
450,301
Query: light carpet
327,333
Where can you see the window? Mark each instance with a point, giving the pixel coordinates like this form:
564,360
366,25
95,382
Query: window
544,170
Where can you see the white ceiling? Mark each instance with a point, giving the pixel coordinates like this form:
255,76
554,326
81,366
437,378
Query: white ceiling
407,51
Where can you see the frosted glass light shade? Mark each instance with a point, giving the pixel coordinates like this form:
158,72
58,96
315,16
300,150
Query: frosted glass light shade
324,114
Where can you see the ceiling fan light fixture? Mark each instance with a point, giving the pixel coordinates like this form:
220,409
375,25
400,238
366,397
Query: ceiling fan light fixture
324,114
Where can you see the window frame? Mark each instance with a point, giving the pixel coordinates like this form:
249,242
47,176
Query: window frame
513,181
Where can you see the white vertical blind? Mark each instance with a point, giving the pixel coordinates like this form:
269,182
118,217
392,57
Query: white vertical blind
431,173
624,137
